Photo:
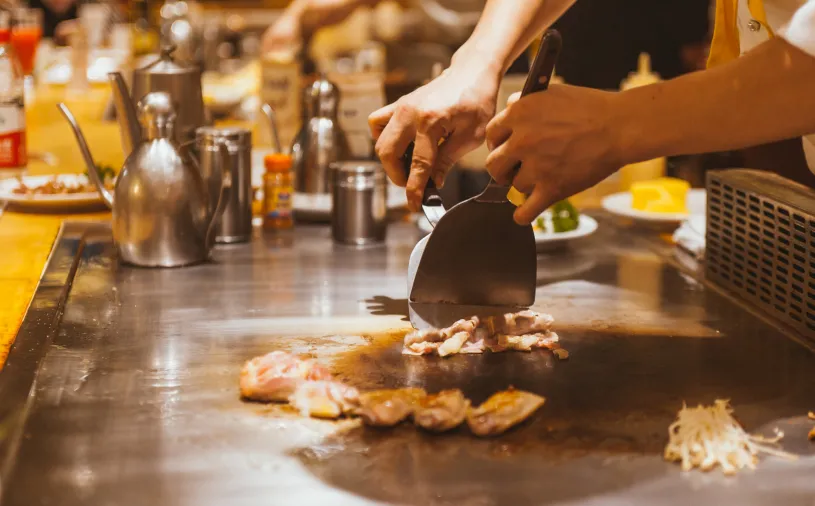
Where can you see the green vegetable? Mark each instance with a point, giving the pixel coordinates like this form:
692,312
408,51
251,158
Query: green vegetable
541,223
564,217
106,172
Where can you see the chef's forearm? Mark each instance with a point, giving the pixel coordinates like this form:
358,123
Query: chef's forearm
505,30
313,15
764,96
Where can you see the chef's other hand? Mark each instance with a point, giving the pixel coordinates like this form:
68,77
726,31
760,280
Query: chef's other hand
564,140
455,107
283,35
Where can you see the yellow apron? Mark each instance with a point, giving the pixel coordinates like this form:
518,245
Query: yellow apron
725,45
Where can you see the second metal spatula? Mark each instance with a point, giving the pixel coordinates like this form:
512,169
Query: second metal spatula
477,260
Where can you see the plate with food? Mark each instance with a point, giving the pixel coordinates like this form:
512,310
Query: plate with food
64,192
558,226
660,201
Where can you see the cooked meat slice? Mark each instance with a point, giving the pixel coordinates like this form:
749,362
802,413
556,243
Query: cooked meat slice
424,336
473,347
811,435
503,342
385,408
453,344
422,348
275,376
324,399
521,323
513,331
502,411
442,411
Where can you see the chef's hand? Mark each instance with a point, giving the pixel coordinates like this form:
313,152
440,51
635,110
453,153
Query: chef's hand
564,139
283,35
454,107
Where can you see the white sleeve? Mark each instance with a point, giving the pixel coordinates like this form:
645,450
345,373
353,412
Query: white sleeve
800,29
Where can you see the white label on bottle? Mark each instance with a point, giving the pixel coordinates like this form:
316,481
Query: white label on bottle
12,136
360,95
280,88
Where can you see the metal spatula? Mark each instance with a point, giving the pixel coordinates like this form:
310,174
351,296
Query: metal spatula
477,260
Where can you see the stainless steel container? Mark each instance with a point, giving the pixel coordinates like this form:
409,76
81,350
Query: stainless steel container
359,194
236,223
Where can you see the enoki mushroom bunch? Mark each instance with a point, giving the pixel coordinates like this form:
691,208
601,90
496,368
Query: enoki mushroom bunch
706,436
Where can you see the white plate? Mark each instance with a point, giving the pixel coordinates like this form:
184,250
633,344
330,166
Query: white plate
63,202
620,204
543,240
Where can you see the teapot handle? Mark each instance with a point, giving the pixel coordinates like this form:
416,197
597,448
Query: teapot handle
229,179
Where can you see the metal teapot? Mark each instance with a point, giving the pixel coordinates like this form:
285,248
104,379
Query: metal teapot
182,83
160,204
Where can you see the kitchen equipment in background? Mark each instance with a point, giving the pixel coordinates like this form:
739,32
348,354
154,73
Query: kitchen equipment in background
477,255
178,29
760,244
361,93
182,84
321,141
271,117
161,206
235,225
648,169
280,87
359,211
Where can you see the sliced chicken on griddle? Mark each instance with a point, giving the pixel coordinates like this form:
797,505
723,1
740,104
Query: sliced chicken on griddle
442,411
502,411
324,399
527,342
518,324
385,408
522,331
275,376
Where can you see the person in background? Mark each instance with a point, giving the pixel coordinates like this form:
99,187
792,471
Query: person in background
758,89
54,13
303,17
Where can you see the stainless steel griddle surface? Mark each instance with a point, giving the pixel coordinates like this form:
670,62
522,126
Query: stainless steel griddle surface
122,386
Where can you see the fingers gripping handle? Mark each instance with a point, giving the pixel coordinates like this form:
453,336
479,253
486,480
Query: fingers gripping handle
431,195
538,80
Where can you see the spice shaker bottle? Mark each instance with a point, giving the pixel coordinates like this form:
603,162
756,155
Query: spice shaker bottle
278,191
359,210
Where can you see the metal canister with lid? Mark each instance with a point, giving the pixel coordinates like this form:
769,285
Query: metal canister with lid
359,195
236,223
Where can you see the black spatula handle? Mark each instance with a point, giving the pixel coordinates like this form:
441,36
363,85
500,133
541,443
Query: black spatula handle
431,195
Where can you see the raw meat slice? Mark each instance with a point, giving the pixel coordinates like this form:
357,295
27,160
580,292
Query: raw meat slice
275,376
442,411
324,399
385,408
502,411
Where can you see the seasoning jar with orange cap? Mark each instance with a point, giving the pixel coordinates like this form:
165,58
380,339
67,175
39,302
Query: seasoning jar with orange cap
278,192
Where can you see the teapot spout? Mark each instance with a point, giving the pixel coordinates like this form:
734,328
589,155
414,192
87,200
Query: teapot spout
93,173
125,113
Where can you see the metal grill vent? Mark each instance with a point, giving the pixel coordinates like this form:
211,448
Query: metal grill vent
760,243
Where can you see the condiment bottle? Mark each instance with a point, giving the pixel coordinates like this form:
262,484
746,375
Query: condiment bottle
278,192
648,169
13,154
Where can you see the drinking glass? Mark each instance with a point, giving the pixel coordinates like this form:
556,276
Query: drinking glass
26,33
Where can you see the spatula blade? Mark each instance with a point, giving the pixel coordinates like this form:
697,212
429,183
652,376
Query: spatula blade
477,256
